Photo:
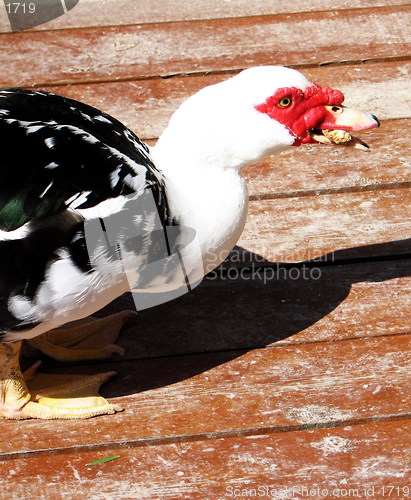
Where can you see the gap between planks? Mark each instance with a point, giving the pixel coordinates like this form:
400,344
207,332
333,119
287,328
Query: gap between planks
54,366
223,72
191,438
332,190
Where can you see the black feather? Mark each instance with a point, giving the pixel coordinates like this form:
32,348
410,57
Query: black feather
54,149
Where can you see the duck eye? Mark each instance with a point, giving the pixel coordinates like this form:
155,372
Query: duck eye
285,102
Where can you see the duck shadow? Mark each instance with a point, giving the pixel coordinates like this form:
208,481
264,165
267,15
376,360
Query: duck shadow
239,308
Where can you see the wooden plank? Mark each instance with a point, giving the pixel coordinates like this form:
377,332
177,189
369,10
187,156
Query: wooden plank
250,308
361,461
147,105
322,384
256,308
344,225
324,169
123,12
126,52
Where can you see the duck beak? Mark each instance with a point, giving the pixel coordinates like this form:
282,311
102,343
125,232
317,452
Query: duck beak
338,122
342,118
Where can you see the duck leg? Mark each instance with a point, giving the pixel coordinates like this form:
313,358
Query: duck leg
68,400
87,339
50,396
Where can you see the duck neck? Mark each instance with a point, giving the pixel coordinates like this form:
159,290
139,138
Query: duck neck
205,196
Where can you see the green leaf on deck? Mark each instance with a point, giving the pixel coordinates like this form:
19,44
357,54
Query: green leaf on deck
104,460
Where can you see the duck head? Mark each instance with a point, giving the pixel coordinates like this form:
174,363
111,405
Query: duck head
260,111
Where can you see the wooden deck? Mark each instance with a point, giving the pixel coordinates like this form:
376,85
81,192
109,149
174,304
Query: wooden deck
286,374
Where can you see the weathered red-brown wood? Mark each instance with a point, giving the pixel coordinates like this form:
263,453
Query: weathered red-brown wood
117,12
249,307
358,461
308,227
277,389
125,52
337,169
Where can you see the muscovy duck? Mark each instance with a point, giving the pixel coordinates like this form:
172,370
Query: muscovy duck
89,212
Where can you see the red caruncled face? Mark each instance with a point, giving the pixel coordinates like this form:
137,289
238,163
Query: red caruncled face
301,110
